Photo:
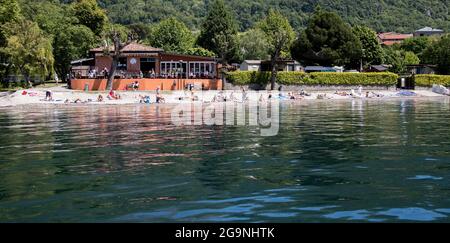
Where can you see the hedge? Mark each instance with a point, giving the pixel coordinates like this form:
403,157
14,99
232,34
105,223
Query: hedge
301,78
428,80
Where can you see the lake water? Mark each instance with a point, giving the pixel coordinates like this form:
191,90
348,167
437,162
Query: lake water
332,161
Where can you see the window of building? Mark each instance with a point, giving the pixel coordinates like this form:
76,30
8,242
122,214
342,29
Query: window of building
122,64
201,69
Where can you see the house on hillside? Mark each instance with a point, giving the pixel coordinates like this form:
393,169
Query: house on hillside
391,38
428,31
286,65
152,66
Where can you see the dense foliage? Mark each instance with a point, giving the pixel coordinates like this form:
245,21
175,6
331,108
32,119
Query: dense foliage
253,45
398,15
219,32
439,53
428,80
279,35
27,48
301,78
64,30
327,41
372,53
172,36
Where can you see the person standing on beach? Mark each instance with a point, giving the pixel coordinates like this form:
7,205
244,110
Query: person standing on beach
244,95
105,72
48,95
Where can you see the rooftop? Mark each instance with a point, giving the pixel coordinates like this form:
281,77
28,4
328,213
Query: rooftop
132,47
429,29
319,68
254,62
394,36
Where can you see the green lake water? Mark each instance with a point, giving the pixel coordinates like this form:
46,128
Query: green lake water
332,161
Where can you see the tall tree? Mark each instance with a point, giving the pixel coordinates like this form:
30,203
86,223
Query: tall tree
9,12
372,52
27,48
327,41
218,31
439,53
72,43
173,36
416,44
399,59
116,36
90,14
279,35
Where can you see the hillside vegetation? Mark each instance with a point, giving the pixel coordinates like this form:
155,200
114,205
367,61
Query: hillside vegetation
381,15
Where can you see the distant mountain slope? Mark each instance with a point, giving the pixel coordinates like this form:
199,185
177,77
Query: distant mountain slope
382,15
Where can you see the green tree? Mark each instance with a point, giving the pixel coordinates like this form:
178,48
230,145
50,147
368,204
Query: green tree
173,36
9,12
327,41
142,31
372,52
416,44
279,35
218,32
52,17
199,51
71,44
410,58
28,49
438,53
253,45
399,59
90,14
120,37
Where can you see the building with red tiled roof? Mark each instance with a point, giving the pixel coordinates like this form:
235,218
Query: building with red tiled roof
146,62
132,47
391,38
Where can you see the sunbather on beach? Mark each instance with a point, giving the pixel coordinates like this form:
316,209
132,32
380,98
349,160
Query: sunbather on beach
303,93
160,99
343,93
322,96
113,96
291,96
378,95
144,99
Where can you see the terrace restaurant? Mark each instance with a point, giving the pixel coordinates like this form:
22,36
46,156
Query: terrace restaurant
151,67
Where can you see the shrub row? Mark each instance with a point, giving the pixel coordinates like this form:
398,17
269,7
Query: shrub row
301,78
428,80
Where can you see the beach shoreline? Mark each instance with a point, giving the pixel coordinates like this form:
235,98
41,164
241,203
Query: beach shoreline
61,95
